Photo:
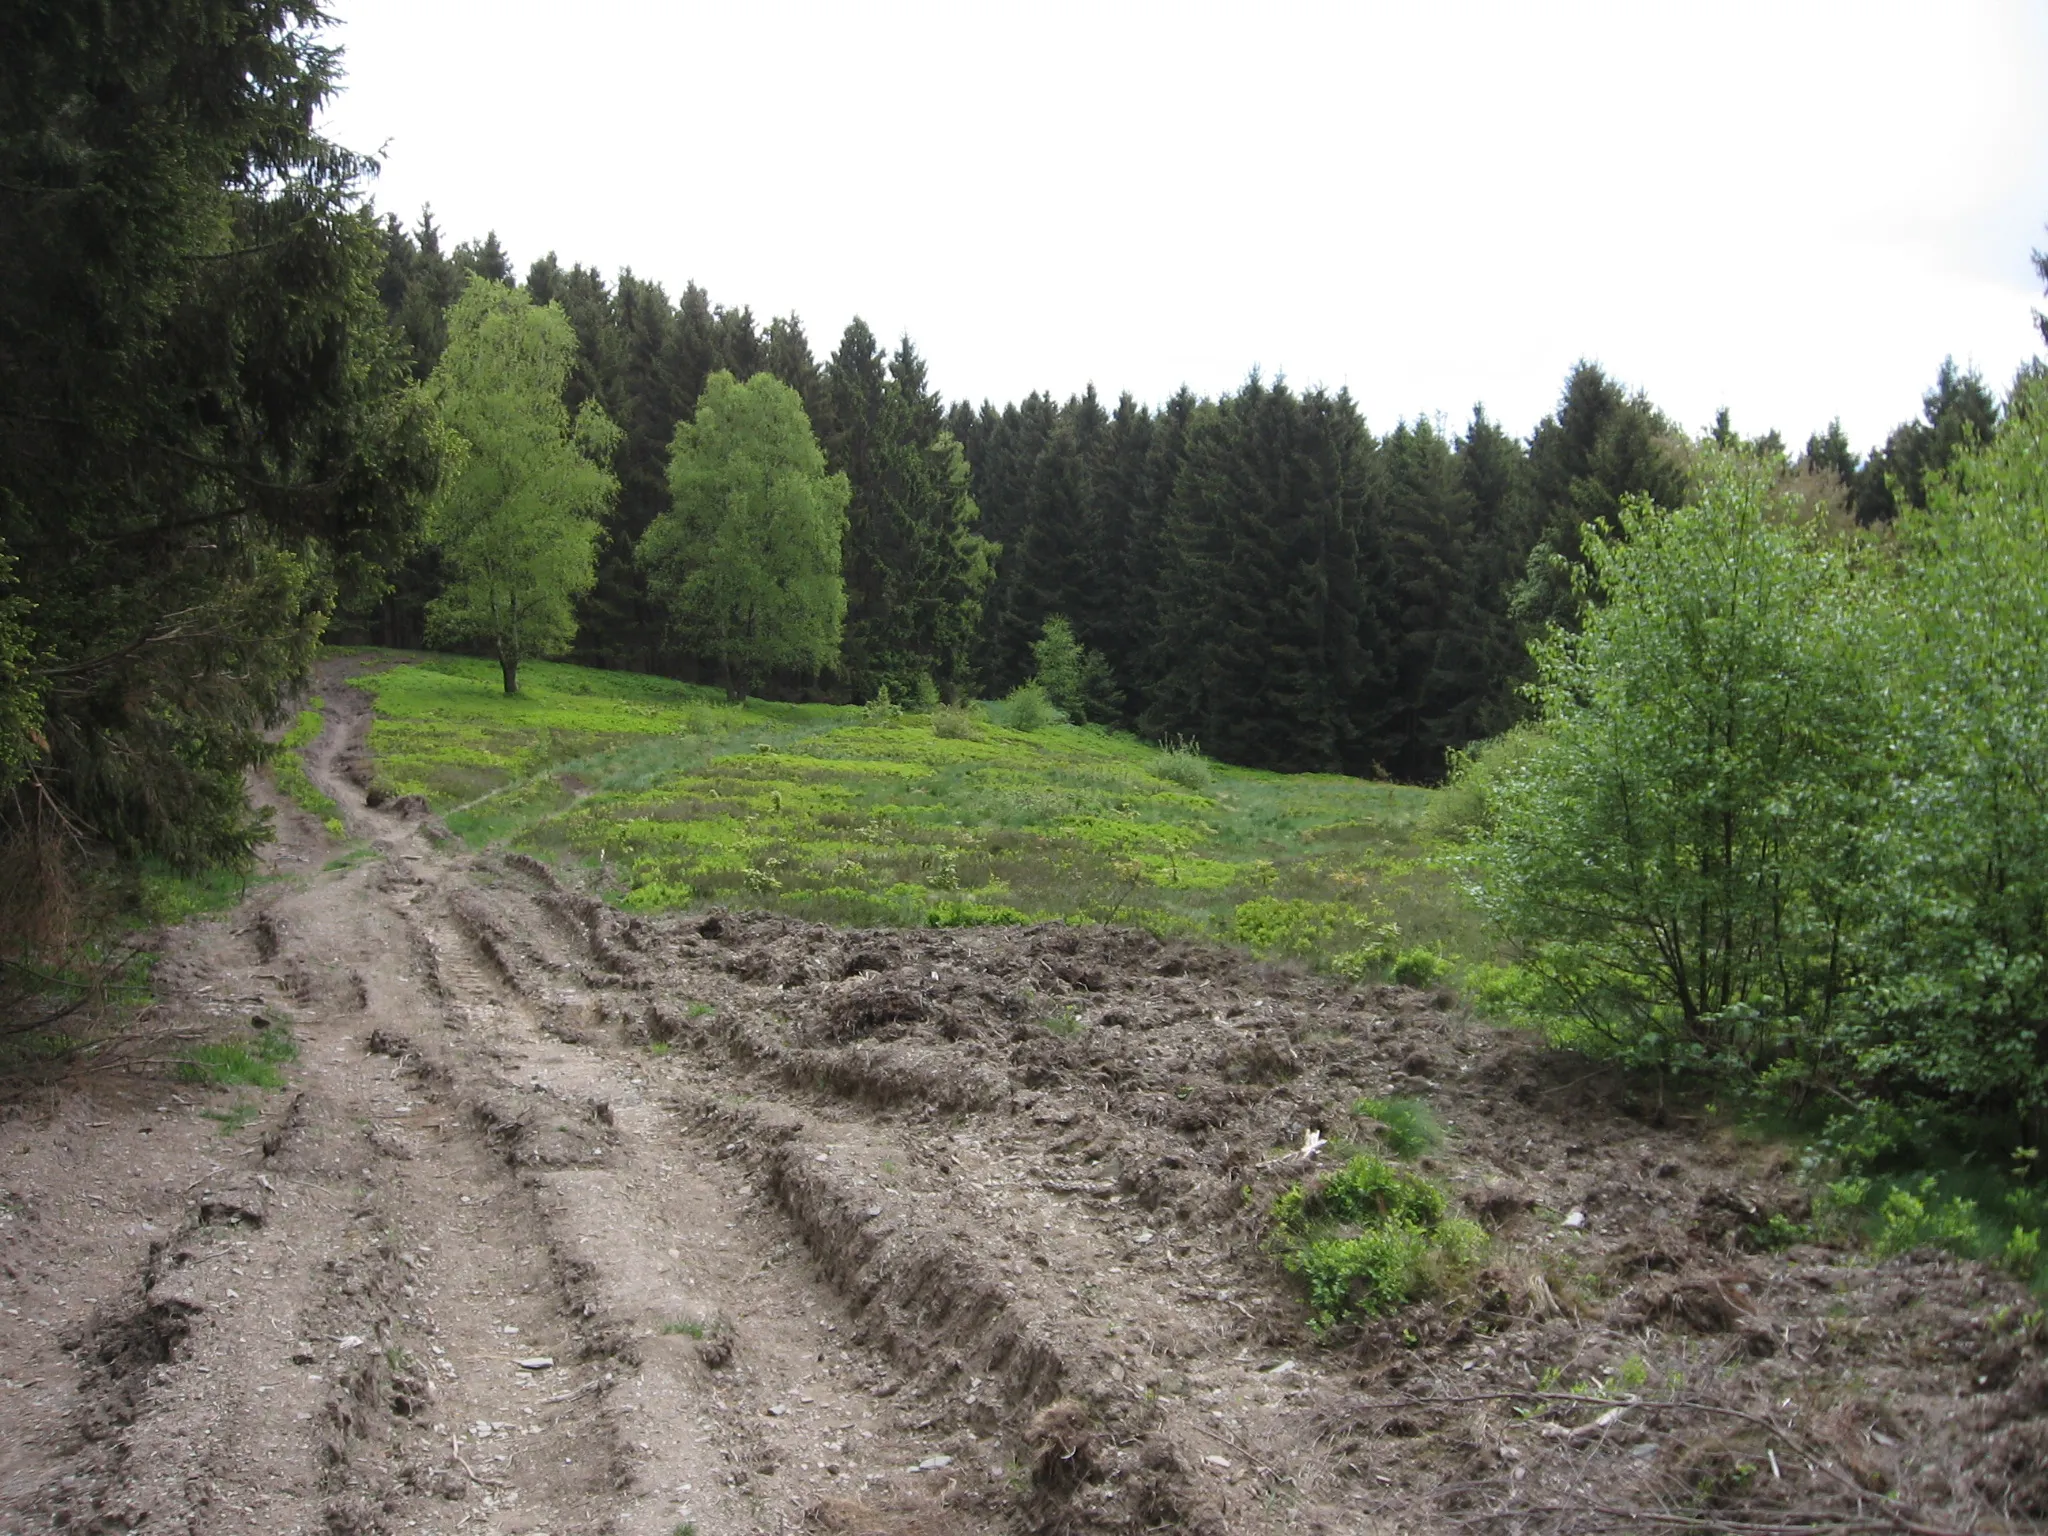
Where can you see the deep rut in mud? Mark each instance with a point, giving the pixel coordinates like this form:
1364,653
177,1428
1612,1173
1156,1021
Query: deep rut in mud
576,1222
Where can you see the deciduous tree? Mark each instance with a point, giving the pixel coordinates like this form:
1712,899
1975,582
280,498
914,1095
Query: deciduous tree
747,560
517,522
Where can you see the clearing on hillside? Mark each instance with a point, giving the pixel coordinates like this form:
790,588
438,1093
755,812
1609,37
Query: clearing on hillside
573,1219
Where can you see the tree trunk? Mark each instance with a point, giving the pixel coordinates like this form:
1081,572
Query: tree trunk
508,663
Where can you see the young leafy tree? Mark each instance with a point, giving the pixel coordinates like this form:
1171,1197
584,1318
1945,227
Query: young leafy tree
1677,853
1958,943
1076,678
517,523
747,560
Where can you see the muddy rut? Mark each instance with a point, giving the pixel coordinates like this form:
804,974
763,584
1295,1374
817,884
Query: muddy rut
578,1222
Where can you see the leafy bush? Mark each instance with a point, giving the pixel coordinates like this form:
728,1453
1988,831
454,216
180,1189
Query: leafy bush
1916,1219
1029,709
1180,761
1668,851
1419,966
1956,948
954,723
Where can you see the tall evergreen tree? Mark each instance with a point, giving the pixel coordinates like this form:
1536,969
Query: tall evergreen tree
1601,445
1956,413
208,429
1273,646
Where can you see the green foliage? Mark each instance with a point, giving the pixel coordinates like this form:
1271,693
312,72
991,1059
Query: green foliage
954,723
1355,942
516,523
1667,852
207,430
1367,1238
226,1065
1029,709
1407,1127
1180,761
1419,966
972,914
1916,1219
1957,941
747,561
1076,680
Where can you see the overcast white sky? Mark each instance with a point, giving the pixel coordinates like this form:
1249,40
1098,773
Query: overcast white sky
1793,209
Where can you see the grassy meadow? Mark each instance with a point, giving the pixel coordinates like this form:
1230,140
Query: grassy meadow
669,796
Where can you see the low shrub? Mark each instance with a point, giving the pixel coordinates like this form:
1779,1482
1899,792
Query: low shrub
955,723
1180,761
1028,709
1368,1239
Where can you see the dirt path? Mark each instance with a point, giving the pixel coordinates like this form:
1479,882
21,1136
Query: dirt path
571,1222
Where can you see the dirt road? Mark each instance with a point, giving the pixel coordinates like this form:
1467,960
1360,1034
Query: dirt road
574,1222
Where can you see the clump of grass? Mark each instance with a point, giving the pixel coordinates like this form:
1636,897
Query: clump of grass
688,1328
1367,1239
1406,1127
1180,761
224,1065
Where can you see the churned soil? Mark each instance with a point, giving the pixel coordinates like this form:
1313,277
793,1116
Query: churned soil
578,1222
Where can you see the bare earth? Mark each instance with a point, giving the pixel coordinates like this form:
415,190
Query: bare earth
869,1249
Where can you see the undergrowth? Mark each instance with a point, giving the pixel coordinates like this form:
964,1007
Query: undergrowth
1368,1238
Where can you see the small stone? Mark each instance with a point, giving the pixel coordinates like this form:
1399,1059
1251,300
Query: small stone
933,1464
537,1363
1575,1220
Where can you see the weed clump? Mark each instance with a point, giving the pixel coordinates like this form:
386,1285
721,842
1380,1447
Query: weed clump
225,1065
1180,761
955,723
1406,1125
1368,1238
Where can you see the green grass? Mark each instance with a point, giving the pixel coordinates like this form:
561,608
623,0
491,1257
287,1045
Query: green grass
225,1065
164,896
288,768
693,1330
676,798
